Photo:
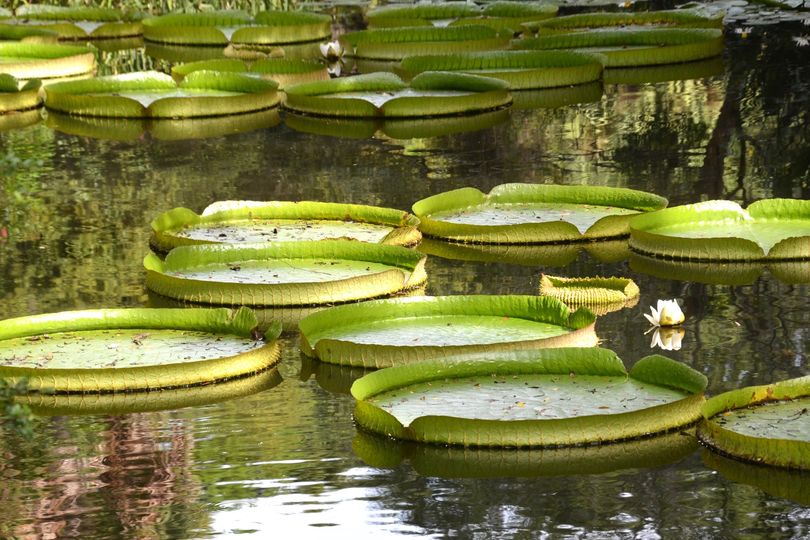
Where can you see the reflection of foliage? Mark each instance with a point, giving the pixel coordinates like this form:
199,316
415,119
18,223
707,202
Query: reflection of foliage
20,166
165,6
16,417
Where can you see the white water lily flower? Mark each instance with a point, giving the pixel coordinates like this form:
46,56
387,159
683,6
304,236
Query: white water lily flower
743,31
668,339
331,51
668,314
802,41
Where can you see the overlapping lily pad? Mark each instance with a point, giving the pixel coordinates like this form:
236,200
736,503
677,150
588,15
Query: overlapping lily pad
284,71
384,333
156,95
283,221
284,273
489,462
769,230
15,98
599,294
73,23
385,95
548,398
658,19
25,60
521,69
623,48
268,28
768,424
532,213
397,43
133,350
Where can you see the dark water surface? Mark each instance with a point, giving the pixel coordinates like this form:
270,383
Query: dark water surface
74,226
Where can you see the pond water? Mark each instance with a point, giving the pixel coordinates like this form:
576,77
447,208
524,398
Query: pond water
74,226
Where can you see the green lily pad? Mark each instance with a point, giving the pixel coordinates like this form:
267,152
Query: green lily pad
599,294
397,43
386,95
623,48
489,462
19,120
132,350
548,398
390,332
658,19
284,273
420,14
282,221
532,213
73,23
45,60
156,95
284,71
770,229
520,69
15,98
767,424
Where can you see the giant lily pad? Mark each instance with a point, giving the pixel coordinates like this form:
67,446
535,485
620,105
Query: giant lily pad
223,27
548,398
156,95
622,48
385,95
657,19
420,14
599,294
397,43
770,229
14,98
521,69
768,424
284,273
79,22
532,213
45,60
284,71
509,16
384,333
494,462
283,221
133,350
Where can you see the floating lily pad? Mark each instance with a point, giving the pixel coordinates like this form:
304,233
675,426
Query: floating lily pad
658,19
623,48
26,33
768,424
14,98
397,43
420,14
506,16
599,294
532,213
133,350
283,221
383,333
223,27
284,273
548,398
488,462
521,69
770,229
156,95
72,23
45,60
282,70
385,95
167,129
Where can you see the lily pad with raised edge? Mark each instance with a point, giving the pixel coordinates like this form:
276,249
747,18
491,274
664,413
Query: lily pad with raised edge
16,98
167,129
155,95
133,350
544,398
386,95
284,273
439,14
397,43
283,221
532,213
769,230
487,462
767,424
47,404
276,27
384,333
509,16
625,48
75,23
282,70
26,33
45,60
521,69
599,294
183,53
657,19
